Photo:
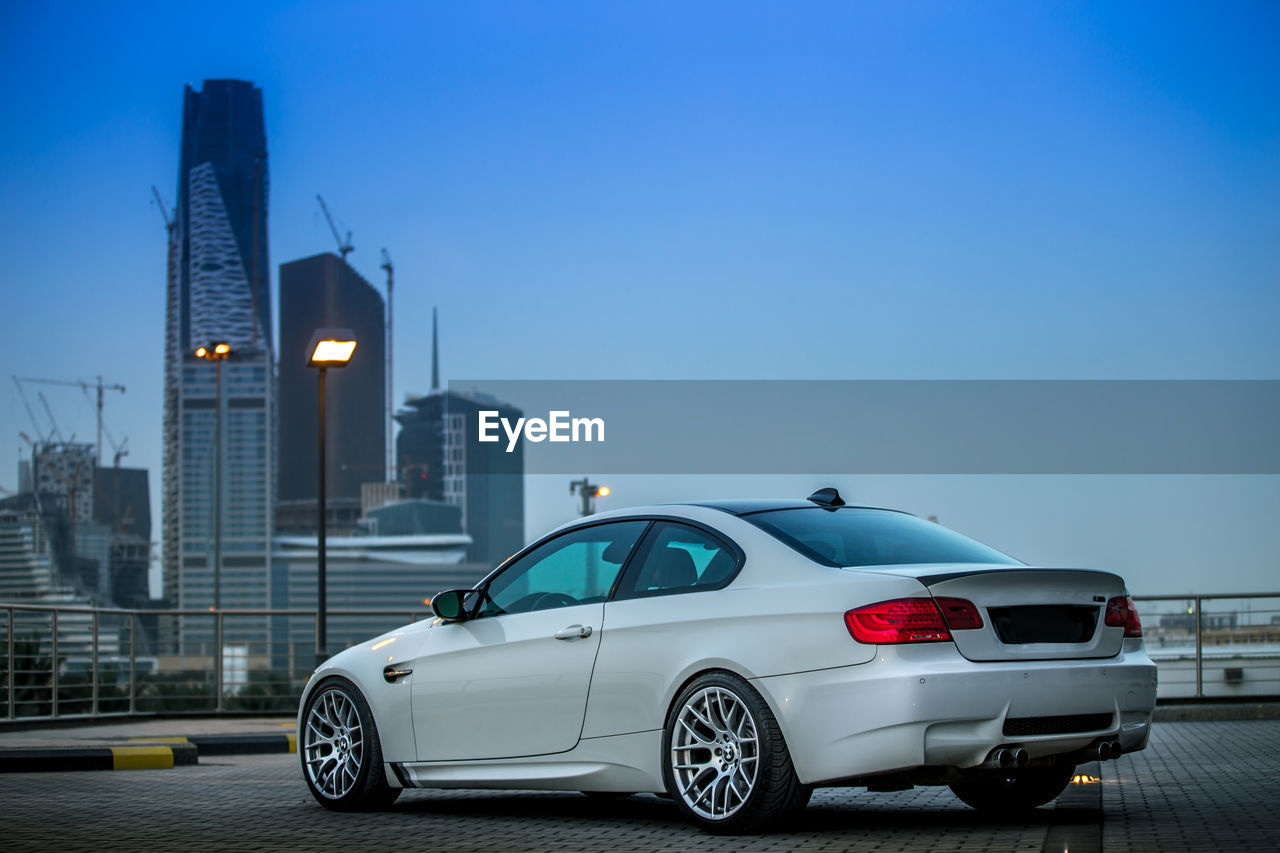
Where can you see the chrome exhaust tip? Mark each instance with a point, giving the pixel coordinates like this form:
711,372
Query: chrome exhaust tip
1109,749
1021,757
1002,758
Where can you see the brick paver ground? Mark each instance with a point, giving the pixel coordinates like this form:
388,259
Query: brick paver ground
1209,786
1198,786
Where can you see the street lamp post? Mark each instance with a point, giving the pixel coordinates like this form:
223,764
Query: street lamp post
328,348
217,352
590,491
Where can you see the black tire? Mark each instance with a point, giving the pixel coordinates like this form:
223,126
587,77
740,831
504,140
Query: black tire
722,751
340,752
1015,791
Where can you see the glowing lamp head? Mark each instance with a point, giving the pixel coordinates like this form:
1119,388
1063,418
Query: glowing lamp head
602,492
215,351
331,348
333,351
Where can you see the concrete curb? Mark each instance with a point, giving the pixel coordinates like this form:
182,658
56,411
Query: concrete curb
231,744
1214,712
157,753
244,744
97,758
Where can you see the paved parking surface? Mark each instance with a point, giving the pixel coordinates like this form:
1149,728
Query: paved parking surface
1200,786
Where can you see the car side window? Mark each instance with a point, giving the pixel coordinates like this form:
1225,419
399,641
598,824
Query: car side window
578,567
677,558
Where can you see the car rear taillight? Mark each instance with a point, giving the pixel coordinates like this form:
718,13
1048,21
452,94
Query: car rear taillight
961,615
1123,613
903,620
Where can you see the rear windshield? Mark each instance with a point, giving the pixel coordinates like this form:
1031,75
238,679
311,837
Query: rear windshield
853,536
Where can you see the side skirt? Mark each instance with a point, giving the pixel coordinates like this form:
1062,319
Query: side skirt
618,763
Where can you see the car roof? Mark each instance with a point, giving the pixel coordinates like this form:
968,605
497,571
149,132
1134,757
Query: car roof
748,506
691,510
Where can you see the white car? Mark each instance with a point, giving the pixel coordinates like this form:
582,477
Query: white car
735,655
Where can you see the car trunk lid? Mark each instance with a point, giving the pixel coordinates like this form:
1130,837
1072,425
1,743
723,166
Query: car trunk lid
1028,613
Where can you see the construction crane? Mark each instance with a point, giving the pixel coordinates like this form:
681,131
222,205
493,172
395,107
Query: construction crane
118,448
386,265
344,246
22,395
170,222
57,433
85,385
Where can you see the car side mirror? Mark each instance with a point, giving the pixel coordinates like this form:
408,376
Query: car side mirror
453,605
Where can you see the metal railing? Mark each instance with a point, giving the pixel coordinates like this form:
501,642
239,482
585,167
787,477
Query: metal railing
1214,646
64,662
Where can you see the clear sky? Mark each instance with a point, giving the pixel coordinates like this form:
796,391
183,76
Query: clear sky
690,190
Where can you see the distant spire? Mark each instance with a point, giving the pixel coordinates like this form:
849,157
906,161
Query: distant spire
435,352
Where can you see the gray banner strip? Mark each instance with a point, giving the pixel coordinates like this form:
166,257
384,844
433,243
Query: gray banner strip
891,426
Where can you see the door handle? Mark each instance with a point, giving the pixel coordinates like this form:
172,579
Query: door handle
573,632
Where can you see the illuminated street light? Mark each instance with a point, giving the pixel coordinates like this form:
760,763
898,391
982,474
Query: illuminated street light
217,352
331,348
328,348
589,492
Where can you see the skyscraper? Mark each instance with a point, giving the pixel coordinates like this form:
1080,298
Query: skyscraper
439,459
317,293
218,291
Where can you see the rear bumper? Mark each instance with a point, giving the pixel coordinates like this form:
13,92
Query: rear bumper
927,706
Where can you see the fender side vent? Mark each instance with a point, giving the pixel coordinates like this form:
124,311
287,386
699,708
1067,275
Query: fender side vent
391,673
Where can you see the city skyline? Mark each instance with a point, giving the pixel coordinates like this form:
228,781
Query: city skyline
1002,192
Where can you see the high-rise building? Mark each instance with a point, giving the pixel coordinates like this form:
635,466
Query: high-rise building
26,568
27,576
439,459
483,480
122,502
317,293
65,472
92,525
219,291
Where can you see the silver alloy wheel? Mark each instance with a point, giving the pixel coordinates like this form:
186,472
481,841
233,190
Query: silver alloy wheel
715,754
333,744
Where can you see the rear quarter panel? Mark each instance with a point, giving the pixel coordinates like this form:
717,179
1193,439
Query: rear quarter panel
782,614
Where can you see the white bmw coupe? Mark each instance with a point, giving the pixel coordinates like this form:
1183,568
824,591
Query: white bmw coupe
735,655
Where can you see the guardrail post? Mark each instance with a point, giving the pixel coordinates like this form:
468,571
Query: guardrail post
133,658
1199,651
93,692
53,662
217,661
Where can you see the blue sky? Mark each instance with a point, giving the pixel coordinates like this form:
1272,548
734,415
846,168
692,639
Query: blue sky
674,190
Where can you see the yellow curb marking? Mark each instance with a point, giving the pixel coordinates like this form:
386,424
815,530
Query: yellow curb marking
142,757
293,742
287,725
